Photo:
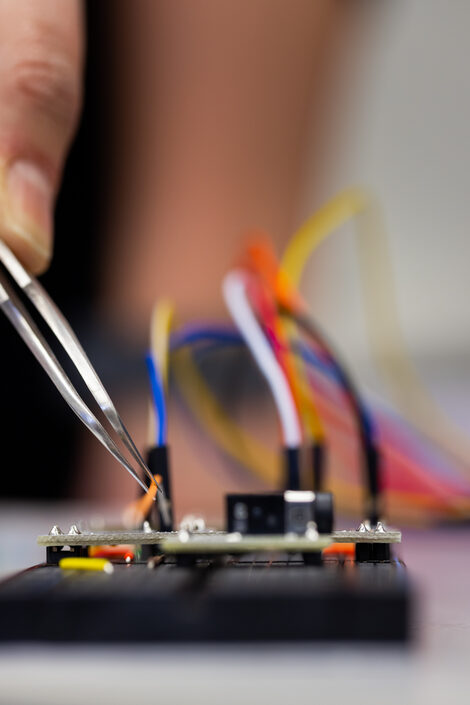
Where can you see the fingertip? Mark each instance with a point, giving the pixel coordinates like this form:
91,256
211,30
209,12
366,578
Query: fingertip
26,204
33,256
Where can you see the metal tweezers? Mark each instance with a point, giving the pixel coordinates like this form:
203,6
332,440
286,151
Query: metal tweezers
24,324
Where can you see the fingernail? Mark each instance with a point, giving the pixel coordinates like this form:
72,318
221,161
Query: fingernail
30,202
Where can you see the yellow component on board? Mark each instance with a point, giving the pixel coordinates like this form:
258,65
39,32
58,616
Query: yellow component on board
99,565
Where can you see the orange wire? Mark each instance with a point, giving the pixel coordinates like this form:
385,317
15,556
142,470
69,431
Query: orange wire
136,511
261,259
268,312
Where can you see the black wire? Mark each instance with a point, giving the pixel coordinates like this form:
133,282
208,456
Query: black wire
318,452
291,458
370,451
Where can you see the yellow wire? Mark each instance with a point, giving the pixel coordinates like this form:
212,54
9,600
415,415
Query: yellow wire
388,345
415,508
455,506
262,258
160,328
227,434
205,407
317,228
265,464
388,342
234,440
311,419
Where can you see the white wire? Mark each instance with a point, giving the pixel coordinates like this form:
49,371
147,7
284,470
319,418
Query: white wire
236,299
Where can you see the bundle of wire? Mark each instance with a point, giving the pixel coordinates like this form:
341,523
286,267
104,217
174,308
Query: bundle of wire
309,386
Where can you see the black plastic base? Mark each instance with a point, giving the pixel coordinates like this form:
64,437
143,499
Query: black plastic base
245,601
372,552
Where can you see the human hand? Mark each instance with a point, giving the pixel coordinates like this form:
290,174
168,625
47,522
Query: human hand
41,57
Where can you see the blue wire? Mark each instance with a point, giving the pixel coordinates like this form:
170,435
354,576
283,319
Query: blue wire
192,334
336,373
158,396
212,337
226,336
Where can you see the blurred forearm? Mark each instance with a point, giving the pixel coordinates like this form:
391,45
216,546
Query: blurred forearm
213,109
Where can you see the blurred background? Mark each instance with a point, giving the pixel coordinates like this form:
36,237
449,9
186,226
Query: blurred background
404,132
202,119
383,102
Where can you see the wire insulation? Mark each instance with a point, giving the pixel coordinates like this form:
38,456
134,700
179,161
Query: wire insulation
158,397
160,328
388,344
429,501
236,298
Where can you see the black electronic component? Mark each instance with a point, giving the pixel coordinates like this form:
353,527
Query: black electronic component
55,553
371,458
373,552
299,511
373,470
255,513
318,452
158,462
324,512
292,468
278,513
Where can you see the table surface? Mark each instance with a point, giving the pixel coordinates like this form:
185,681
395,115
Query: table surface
434,669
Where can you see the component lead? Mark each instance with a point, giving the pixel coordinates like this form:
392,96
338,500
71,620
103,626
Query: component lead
183,535
311,531
364,527
55,531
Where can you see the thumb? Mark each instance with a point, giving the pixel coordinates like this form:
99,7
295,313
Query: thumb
40,92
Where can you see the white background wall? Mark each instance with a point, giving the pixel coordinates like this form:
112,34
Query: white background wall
406,134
